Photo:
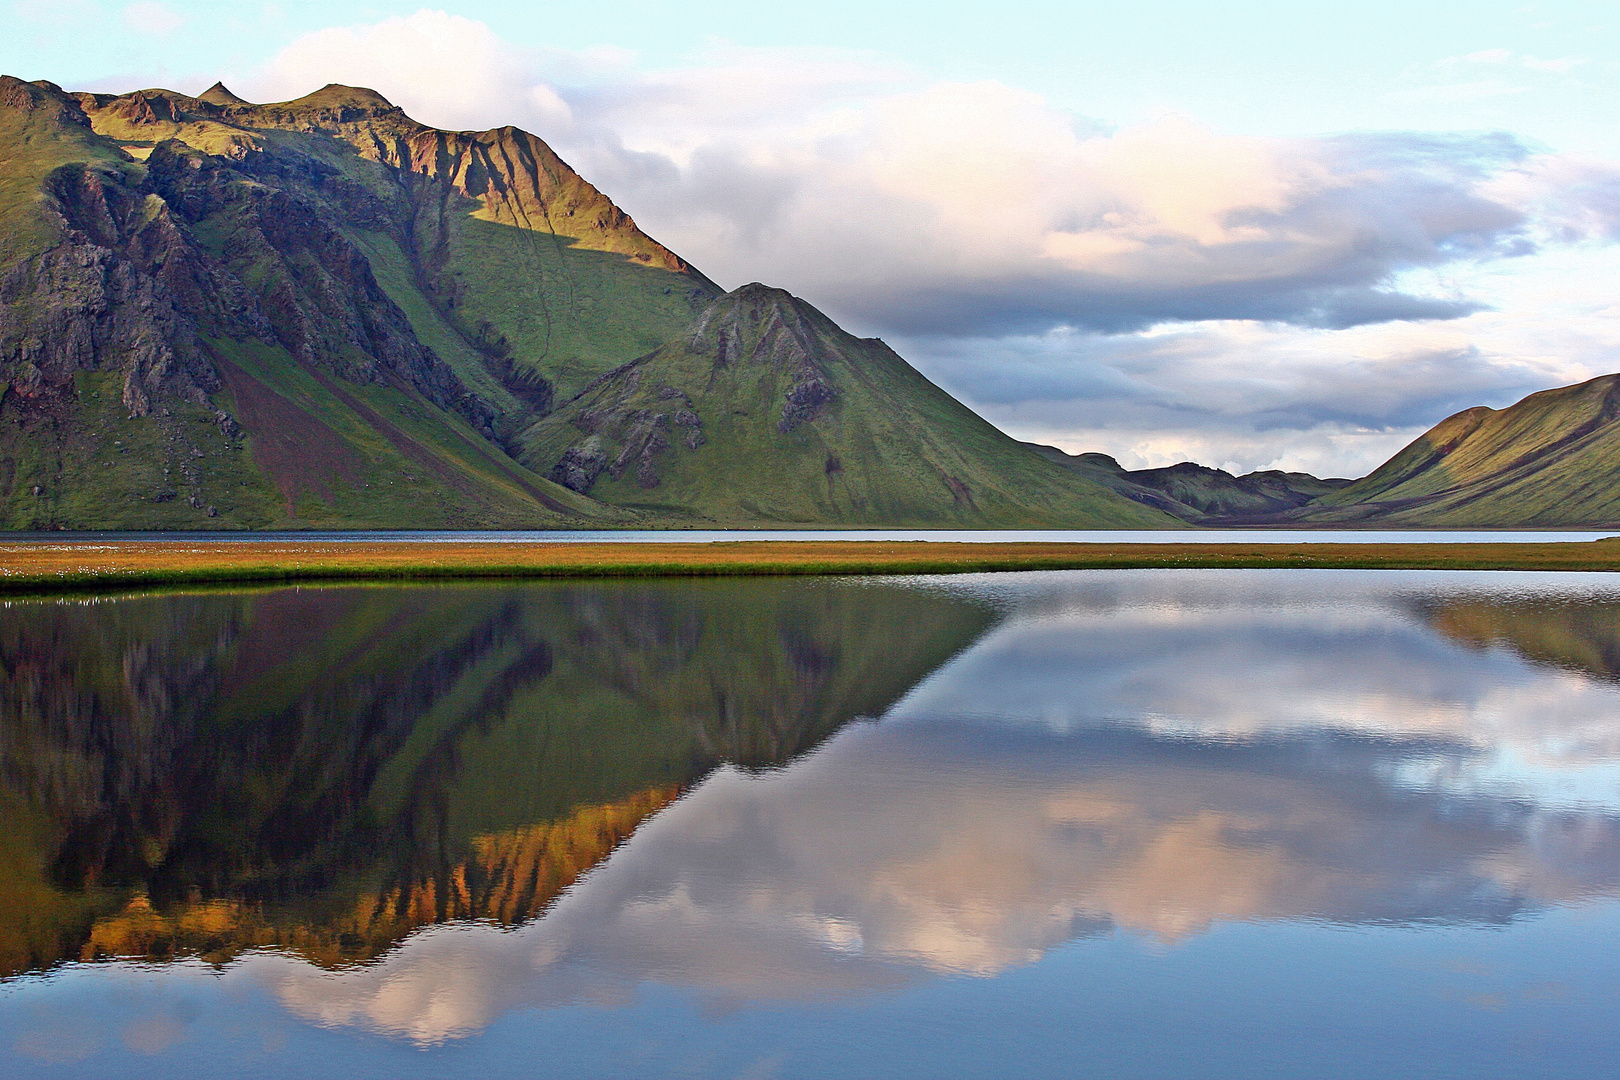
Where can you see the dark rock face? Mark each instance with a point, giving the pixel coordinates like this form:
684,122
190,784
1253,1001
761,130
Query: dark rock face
106,299
804,402
130,288
315,291
580,466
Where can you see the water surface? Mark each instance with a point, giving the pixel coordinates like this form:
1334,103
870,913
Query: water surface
1117,823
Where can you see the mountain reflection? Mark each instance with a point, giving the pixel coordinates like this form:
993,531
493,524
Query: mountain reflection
1091,766
1154,754
907,851
325,770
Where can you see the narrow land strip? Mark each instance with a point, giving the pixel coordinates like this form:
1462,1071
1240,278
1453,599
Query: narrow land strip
80,564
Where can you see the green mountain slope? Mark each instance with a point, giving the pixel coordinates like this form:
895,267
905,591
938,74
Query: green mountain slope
1549,461
766,412
1197,493
321,313
214,314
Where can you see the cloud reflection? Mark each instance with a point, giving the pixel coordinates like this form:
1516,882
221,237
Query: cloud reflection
1113,759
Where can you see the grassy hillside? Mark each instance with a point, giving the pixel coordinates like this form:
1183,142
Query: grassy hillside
766,412
1549,461
215,314
319,313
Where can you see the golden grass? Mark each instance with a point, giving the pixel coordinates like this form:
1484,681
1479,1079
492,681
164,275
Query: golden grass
79,563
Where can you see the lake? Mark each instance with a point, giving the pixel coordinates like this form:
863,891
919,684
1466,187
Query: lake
1281,823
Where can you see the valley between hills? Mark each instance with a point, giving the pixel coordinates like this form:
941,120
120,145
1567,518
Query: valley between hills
323,314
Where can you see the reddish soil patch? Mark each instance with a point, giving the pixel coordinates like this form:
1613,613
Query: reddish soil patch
447,473
294,449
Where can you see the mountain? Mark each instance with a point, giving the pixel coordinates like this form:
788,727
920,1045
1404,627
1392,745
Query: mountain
215,314
766,410
1549,461
1197,493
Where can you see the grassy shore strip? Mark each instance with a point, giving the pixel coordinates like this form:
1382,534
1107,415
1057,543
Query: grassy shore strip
81,564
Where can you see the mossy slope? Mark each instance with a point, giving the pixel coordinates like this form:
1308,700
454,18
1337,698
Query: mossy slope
764,411
1549,461
219,315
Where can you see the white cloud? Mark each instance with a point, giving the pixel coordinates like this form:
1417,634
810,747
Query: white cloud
975,221
1509,58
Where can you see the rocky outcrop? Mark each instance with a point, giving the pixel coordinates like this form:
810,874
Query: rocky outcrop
111,296
128,287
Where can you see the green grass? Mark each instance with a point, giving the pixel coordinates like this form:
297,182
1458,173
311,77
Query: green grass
394,273
885,451
103,469
569,313
1549,461
473,484
33,143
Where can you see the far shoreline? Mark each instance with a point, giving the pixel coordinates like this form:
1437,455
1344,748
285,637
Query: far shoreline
80,563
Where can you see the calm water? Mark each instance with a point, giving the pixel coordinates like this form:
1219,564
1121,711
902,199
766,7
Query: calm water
969,536
1106,824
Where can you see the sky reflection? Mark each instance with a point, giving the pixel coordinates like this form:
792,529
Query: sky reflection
1155,758
1102,761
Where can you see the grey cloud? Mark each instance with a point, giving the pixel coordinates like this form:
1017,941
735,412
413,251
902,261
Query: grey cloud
1254,400
1034,304
1325,259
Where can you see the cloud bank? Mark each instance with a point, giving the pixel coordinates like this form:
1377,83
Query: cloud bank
1032,259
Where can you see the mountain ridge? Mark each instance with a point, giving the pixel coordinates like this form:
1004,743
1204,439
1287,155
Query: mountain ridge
1550,460
860,435
321,312
1200,494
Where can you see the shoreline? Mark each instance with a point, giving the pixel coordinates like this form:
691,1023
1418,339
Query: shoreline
81,564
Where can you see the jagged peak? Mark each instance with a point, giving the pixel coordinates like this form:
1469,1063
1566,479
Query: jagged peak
757,303
220,94
757,324
47,96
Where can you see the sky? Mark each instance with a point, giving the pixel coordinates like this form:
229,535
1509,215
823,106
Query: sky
1253,235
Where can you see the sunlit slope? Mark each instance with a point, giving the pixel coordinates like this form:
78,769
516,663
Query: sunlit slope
764,411
1549,461
325,770
217,315
527,260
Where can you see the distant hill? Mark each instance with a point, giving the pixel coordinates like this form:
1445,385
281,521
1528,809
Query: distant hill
1197,493
766,410
320,312
1549,461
